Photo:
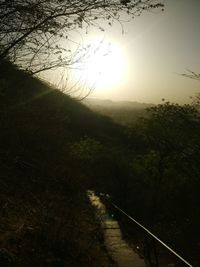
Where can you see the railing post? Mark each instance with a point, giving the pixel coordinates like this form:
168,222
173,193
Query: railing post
155,254
147,252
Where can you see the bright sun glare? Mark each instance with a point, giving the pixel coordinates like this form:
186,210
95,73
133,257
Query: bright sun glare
104,66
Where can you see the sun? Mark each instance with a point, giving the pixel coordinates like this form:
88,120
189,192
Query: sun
104,66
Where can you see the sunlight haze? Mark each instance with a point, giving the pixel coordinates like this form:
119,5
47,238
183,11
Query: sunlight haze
105,67
158,47
143,59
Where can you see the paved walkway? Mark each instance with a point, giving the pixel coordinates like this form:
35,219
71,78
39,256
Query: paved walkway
117,248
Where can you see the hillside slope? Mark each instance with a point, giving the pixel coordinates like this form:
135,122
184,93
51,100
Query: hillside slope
42,191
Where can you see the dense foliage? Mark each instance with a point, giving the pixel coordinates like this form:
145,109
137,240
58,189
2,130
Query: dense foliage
161,189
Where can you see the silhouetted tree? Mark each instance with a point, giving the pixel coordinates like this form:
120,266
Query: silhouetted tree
192,75
195,76
34,33
173,131
166,170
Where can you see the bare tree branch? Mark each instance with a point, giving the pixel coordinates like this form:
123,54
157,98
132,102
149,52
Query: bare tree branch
192,75
34,34
26,21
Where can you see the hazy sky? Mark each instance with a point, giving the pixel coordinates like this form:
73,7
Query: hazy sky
154,49
146,61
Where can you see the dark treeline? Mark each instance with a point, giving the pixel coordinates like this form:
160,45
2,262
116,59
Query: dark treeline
156,177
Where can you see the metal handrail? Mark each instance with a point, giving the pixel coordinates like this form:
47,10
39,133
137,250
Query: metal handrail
150,233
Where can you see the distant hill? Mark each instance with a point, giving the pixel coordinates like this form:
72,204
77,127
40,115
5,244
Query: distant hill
123,112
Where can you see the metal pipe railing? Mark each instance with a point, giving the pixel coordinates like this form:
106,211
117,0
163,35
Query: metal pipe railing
149,232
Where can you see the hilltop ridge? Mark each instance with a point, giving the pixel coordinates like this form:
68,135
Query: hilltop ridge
116,104
123,112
